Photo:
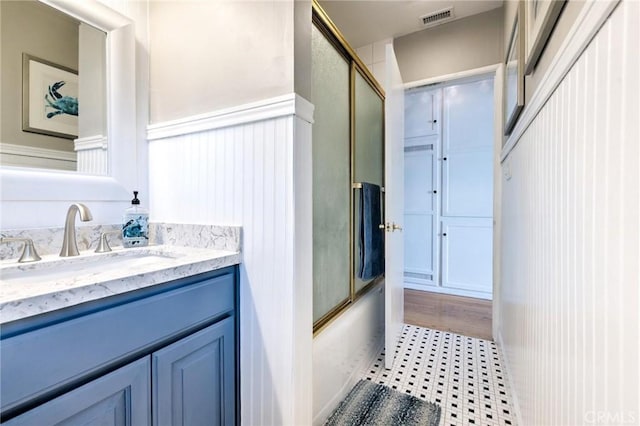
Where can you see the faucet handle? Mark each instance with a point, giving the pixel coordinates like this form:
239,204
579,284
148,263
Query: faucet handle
103,244
29,253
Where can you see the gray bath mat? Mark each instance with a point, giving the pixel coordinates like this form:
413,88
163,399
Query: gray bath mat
372,404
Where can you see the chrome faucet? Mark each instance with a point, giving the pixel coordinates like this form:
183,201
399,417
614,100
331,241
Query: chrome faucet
29,253
69,242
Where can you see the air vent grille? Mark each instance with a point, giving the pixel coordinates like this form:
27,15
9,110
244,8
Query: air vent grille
438,17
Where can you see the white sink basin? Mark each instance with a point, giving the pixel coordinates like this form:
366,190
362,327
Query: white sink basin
56,268
28,289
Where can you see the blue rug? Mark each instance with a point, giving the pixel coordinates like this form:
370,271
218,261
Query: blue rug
372,404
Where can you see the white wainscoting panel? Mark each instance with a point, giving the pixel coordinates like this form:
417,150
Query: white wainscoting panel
92,154
570,276
246,175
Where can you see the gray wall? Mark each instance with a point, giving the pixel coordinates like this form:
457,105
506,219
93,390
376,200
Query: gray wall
461,45
92,83
36,29
208,55
302,48
564,24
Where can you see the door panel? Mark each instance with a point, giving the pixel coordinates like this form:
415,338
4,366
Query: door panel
418,246
419,211
394,203
467,184
120,398
467,250
331,176
368,150
419,180
194,379
422,110
468,116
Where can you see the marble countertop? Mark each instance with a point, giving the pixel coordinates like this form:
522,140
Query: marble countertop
30,289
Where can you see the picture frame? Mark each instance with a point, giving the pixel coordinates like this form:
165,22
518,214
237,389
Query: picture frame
49,98
540,16
514,73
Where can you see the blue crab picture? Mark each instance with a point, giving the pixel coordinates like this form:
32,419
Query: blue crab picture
60,103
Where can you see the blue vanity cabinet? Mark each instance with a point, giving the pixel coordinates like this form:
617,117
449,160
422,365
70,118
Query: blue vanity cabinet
194,381
162,355
120,398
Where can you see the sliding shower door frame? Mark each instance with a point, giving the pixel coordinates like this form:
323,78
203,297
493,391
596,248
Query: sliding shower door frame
324,24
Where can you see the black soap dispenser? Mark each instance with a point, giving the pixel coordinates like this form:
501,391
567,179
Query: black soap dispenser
135,225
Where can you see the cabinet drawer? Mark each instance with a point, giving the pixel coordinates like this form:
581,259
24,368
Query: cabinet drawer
37,363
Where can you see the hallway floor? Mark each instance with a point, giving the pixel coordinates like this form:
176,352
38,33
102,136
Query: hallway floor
464,375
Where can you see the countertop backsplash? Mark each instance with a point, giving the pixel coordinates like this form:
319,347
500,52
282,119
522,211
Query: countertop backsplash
49,240
202,236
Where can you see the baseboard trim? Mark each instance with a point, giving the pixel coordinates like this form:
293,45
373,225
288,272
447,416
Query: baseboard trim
451,291
508,371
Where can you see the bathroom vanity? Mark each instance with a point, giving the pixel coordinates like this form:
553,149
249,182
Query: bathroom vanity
138,343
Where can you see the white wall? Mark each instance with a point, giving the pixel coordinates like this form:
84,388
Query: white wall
251,166
208,55
570,325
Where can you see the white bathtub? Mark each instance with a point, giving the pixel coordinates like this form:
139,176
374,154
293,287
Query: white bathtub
344,349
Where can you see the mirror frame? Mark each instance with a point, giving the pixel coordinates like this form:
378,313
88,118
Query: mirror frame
23,184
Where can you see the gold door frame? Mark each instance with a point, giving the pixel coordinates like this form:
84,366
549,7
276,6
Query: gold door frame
324,24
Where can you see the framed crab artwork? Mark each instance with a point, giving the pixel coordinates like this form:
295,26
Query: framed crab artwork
49,98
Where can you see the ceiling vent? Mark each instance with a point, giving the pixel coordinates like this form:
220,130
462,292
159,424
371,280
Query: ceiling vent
437,18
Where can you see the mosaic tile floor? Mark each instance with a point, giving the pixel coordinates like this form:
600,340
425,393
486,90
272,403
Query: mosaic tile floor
462,374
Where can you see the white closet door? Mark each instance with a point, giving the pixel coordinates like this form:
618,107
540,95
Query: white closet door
420,212
422,127
467,188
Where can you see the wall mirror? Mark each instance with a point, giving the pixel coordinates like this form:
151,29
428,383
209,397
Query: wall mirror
60,67
111,171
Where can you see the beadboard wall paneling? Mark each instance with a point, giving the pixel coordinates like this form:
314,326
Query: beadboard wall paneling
571,241
246,175
92,154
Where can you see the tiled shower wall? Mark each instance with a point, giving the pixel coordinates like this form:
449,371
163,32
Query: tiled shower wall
373,56
571,235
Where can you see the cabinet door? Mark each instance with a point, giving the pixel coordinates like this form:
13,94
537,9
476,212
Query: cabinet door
420,213
194,379
467,150
118,398
467,253
421,112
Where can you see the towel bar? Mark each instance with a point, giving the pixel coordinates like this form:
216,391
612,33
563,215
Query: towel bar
358,185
